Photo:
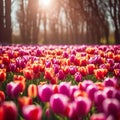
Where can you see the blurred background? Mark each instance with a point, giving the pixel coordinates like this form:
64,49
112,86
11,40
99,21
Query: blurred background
60,21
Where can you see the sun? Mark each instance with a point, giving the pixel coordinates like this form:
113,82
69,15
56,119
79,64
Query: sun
45,3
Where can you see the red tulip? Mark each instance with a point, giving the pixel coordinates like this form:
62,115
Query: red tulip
1,113
100,73
2,96
28,73
6,59
2,75
9,111
83,71
90,68
32,112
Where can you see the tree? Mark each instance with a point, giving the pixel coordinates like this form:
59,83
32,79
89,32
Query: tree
114,10
29,20
5,22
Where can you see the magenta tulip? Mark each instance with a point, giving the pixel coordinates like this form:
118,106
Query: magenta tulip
45,92
59,103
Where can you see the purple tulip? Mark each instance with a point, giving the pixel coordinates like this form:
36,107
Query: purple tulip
64,88
32,112
73,89
82,105
13,89
47,64
110,92
111,107
61,75
72,58
110,61
116,66
110,82
59,103
91,90
65,55
45,92
99,97
86,83
78,76
12,67
71,113
72,70
56,68
117,95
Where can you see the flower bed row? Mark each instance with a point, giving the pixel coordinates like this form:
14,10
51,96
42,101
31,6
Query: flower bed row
60,82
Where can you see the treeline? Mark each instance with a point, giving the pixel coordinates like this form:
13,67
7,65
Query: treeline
63,22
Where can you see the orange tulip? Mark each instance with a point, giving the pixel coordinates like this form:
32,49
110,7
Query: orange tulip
23,101
32,90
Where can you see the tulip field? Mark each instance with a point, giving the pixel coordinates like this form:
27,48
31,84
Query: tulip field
60,82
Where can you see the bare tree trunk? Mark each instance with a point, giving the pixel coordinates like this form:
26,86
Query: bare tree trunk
8,29
45,29
5,22
1,22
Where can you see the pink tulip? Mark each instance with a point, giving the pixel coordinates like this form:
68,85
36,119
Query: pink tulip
99,116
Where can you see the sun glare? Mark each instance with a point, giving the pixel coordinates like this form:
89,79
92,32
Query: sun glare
45,3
